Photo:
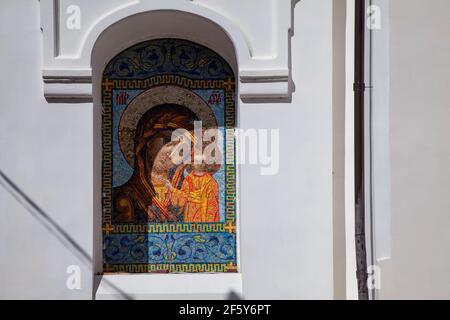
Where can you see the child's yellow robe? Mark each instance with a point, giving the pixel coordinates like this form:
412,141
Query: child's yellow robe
199,195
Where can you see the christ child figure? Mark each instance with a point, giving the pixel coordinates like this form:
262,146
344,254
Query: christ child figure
198,195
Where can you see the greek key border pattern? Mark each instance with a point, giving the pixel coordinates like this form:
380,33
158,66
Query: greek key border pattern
170,268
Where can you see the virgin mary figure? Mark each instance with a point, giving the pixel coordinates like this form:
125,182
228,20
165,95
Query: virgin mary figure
160,191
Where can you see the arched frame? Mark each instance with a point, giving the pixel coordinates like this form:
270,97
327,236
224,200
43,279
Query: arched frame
111,42
264,62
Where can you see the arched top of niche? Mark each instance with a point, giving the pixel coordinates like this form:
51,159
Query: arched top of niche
168,56
152,25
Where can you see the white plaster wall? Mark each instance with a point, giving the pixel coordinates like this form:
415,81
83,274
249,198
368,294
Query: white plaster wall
420,152
287,219
47,150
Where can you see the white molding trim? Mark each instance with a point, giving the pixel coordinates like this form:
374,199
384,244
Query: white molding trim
263,58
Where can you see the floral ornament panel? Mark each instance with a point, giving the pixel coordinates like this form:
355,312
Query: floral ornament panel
159,215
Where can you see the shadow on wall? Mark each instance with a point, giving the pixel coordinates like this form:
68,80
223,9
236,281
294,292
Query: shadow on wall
57,231
52,226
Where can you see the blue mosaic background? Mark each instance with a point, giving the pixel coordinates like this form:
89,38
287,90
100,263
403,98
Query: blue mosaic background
170,248
168,56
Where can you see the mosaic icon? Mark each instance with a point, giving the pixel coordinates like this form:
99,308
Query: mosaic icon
159,216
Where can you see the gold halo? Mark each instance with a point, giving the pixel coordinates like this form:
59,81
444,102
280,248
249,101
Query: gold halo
155,97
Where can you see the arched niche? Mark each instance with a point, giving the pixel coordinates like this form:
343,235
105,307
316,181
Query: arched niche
117,39
153,25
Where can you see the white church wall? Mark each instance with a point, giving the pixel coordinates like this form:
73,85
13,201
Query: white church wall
47,152
420,242
286,220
